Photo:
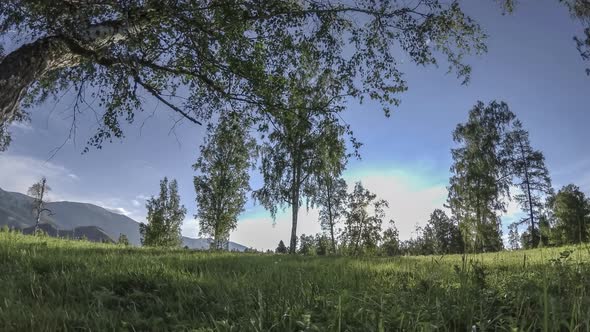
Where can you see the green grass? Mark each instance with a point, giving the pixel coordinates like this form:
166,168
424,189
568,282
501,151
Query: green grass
48,284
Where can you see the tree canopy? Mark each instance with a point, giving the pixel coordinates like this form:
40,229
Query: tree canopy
196,57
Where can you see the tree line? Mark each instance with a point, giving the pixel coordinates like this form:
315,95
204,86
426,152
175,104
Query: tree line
304,157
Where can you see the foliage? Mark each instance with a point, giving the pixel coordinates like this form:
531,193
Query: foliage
532,178
514,237
213,54
571,213
481,175
332,201
223,180
164,218
363,219
123,240
294,155
281,248
444,234
390,244
73,285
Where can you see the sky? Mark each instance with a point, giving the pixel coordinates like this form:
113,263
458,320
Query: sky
531,63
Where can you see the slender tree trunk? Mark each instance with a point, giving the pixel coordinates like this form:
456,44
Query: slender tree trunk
529,197
330,218
294,207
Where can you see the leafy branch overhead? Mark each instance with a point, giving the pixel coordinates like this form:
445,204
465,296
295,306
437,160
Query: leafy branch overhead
196,57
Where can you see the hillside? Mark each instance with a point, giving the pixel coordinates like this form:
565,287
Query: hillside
15,211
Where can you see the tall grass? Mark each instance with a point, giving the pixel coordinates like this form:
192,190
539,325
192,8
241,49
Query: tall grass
48,284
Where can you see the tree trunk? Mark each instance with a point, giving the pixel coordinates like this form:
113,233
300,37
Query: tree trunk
330,218
24,66
534,238
294,213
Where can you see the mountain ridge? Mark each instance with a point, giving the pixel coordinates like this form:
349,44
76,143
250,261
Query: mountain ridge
15,212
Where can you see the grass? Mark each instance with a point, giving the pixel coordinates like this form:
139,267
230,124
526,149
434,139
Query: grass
49,284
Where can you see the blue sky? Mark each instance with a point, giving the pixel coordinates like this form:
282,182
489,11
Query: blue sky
532,64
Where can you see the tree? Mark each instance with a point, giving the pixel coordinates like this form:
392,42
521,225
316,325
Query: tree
362,230
307,245
390,244
532,178
444,234
481,174
571,210
281,249
514,236
332,201
164,218
222,52
292,157
123,240
39,191
223,179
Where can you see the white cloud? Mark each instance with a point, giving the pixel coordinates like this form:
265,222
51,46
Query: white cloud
24,126
135,203
410,202
20,172
261,233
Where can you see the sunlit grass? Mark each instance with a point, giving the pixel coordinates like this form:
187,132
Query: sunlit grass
49,284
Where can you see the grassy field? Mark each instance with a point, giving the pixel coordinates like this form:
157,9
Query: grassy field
48,284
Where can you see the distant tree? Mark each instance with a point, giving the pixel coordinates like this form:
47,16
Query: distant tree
390,243
307,245
443,234
123,240
292,158
332,202
571,211
323,245
513,236
364,216
164,218
223,179
39,191
532,178
281,249
481,175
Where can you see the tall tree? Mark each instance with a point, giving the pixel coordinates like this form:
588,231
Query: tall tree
571,210
532,178
364,217
238,52
332,202
164,217
481,174
223,180
39,191
291,155
513,236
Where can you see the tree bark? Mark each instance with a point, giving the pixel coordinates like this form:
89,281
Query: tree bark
24,66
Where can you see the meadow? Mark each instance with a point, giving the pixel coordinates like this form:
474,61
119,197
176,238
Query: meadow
49,284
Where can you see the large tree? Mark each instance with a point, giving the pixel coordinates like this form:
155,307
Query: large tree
39,192
292,157
571,213
532,179
481,174
194,57
364,217
164,218
223,179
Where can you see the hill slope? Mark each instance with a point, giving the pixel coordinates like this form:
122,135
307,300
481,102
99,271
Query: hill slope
15,211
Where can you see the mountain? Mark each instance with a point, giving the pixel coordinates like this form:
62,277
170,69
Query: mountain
15,211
